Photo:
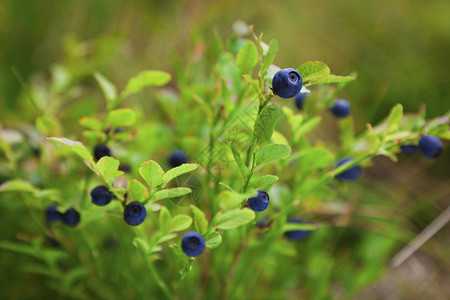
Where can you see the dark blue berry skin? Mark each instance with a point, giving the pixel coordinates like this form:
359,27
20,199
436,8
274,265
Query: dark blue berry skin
71,217
431,146
350,174
101,195
100,151
52,214
177,158
409,149
300,100
340,108
125,168
296,234
260,202
287,83
134,213
193,244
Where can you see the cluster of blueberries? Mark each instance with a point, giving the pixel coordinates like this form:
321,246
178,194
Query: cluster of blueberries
134,213
70,217
286,83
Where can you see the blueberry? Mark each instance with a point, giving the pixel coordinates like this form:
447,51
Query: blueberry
300,100
101,195
71,217
125,168
340,108
408,149
260,202
431,146
193,244
350,174
177,158
296,234
134,213
287,83
100,151
52,214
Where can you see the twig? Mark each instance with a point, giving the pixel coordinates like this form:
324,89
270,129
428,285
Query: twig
421,238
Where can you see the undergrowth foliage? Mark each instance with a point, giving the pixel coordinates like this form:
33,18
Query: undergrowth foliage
165,183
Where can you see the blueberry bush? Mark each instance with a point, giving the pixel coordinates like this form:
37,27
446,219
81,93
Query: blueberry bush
208,183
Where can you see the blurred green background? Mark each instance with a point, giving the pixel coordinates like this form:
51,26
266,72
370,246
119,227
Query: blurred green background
399,49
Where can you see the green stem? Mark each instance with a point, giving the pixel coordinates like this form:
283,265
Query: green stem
140,233
264,104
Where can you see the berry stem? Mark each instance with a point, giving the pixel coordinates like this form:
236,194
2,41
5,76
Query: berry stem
264,104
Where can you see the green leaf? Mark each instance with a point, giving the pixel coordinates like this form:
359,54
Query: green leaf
230,200
170,193
137,190
166,238
108,88
273,48
234,218
346,131
247,58
76,147
394,118
200,221
142,245
21,248
48,125
145,79
152,173
108,167
312,159
90,123
299,226
17,185
387,153
180,222
213,240
313,69
121,117
279,138
75,274
272,152
178,171
252,82
164,220
263,181
306,127
237,157
295,120
265,123
330,79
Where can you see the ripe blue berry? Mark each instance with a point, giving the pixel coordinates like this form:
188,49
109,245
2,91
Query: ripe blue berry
409,149
193,244
100,151
134,213
260,202
350,174
296,234
431,146
300,100
101,195
52,214
287,83
177,158
340,108
71,217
